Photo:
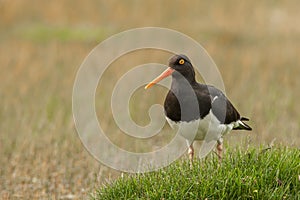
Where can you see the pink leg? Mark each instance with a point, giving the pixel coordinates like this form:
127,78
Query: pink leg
191,154
219,151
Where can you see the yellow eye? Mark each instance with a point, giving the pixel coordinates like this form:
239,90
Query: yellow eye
181,61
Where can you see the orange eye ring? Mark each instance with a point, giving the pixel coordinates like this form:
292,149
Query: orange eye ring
181,61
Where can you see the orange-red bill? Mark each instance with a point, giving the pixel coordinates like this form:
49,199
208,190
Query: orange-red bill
163,75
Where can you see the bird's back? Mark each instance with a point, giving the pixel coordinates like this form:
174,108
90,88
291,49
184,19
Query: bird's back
209,99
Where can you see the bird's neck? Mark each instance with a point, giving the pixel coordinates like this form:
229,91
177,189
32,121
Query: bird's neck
182,85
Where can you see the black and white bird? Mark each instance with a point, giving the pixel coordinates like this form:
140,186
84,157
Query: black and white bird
189,102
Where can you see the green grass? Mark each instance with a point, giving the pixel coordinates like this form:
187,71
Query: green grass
252,174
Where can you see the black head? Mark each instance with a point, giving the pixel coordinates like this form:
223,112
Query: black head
182,64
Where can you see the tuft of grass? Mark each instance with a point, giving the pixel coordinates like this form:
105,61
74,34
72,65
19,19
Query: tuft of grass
251,174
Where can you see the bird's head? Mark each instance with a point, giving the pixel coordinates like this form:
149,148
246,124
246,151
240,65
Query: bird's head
179,66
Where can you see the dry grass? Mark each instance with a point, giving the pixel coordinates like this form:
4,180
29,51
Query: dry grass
254,44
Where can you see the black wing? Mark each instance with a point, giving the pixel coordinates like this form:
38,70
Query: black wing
221,107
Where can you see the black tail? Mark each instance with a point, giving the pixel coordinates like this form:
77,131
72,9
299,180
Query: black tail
244,119
243,125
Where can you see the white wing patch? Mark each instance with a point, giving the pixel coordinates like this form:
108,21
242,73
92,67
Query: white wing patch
214,99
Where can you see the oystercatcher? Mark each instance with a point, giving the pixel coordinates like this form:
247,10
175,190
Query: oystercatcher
214,113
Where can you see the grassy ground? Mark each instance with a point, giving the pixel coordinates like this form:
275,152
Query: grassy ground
42,44
251,174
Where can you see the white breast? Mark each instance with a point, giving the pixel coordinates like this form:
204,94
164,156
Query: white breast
209,128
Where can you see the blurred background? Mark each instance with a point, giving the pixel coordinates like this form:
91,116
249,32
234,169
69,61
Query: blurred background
255,45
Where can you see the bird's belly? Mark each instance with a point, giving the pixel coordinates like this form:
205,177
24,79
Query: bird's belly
209,128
